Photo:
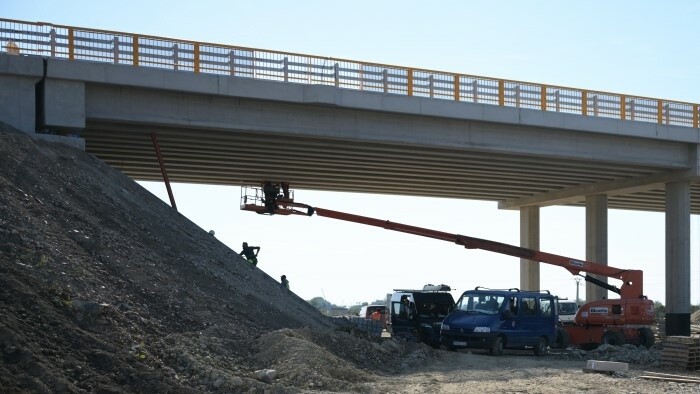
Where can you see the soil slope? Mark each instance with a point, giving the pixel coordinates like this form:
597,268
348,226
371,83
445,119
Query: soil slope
104,288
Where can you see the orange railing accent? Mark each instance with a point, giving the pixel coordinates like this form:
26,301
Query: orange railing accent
78,43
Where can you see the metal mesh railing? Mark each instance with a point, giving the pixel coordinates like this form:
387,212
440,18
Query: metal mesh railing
74,43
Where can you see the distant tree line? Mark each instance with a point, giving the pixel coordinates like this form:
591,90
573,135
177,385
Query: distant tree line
325,306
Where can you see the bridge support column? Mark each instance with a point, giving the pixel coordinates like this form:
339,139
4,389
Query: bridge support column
530,238
63,105
597,241
678,258
17,104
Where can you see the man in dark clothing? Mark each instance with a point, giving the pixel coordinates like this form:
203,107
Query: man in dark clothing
284,282
270,192
250,253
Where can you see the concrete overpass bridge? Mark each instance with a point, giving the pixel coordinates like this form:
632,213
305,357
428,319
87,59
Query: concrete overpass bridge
235,116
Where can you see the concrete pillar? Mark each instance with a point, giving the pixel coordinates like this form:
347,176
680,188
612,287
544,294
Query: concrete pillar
18,78
530,238
678,258
17,104
63,105
597,241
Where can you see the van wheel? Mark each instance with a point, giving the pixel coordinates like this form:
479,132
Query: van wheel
646,337
541,347
613,338
497,347
563,339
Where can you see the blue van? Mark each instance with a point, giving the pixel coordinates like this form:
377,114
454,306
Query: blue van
500,319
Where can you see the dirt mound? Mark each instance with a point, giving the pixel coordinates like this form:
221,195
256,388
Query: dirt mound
695,317
103,287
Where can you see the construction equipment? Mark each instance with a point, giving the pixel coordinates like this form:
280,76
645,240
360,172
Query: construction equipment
609,321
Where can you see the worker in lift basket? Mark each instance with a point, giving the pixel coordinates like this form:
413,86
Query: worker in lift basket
250,253
270,191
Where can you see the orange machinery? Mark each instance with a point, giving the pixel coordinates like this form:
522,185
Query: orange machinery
612,321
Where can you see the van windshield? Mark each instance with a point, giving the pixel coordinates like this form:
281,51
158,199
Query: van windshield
567,308
487,304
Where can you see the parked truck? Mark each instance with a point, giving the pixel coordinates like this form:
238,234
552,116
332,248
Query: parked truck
608,321
417,315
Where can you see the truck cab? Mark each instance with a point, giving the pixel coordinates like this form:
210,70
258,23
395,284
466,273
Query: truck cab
417,315
502,319
567,312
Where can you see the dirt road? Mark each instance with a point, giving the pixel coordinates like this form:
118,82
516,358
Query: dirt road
521,372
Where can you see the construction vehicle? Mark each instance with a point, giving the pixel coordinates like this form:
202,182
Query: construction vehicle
417,315
607,321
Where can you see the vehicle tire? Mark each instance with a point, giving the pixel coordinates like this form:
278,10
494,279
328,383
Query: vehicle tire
541,347
646,337
497,346
563,339
613,338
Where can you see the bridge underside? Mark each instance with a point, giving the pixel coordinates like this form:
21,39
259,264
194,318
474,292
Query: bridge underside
247,157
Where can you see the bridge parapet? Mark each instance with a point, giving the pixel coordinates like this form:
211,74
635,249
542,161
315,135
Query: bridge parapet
86,44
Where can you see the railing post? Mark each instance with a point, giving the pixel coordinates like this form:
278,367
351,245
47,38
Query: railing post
176,57
501,92
623,107
659,112
135,47
475,90
71,44
696,109
116,49
517,96
543,97
430,85
457,86
336,74
232,62
196,58
385,80
409,82
52,35
584,103
632,109
668,114
595,105
361,77
556,100
286,69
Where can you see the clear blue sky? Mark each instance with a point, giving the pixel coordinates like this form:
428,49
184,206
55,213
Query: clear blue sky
643,48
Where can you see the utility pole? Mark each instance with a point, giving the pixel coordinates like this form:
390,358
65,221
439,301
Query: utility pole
577,279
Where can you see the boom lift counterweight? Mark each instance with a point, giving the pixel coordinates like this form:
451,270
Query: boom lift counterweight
613,321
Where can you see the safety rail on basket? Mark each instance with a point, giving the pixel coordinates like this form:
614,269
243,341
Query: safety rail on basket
272,198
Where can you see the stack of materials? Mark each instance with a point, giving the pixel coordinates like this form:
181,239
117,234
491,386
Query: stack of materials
681,352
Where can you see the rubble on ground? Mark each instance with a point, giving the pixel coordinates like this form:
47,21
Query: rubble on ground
628,353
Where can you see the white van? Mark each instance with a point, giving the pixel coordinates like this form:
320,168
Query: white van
567,312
